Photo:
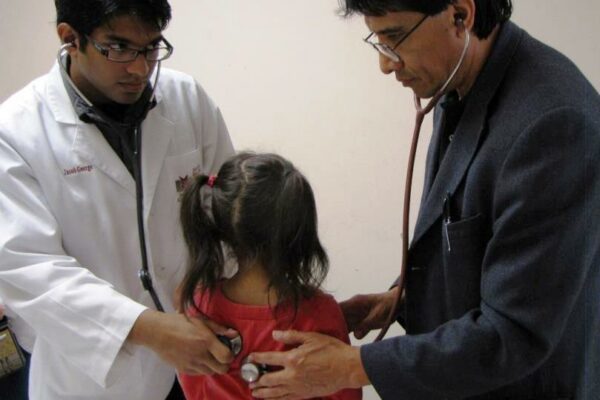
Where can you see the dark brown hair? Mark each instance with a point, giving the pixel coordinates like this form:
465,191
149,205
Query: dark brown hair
263,209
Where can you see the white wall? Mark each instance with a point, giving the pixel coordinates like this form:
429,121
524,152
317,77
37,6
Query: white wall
294,78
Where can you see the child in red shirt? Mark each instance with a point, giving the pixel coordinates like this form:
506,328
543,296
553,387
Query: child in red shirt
262,213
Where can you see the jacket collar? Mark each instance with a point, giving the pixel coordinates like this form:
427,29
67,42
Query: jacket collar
469,131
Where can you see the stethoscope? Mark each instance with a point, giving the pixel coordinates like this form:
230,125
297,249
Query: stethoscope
249,371
143,273
420,116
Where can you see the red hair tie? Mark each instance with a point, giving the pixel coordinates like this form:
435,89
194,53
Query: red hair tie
211,180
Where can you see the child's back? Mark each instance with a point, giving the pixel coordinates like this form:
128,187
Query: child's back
263,210
320,313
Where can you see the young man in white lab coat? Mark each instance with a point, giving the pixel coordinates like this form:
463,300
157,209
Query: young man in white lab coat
93,156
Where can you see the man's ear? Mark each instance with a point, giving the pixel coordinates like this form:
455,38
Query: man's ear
463,14
68,35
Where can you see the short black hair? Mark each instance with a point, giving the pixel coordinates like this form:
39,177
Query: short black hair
84,16
263,209
488,14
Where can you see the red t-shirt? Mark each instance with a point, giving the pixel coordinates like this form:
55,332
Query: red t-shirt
321,313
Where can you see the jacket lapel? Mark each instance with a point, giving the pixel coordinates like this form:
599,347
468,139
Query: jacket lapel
432,153
469,132
459,154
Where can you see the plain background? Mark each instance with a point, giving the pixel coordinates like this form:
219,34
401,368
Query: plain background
295,78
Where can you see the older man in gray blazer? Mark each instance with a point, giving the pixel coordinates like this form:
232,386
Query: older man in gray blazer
502,296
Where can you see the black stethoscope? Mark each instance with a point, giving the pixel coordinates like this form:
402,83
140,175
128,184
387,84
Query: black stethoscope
135,155
420,116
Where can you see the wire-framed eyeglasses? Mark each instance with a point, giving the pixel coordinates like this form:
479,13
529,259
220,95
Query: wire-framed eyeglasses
122,54
390,52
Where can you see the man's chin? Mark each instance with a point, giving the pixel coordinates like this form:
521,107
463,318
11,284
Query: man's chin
425,93
127,99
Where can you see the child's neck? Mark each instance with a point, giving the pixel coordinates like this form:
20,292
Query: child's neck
250,286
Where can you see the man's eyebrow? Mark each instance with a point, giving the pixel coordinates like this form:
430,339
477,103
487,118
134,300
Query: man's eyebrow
394,30
120,39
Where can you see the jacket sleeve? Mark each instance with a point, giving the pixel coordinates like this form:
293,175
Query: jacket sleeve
84,317
545,242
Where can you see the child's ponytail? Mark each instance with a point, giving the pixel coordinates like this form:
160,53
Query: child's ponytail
299,263
203,240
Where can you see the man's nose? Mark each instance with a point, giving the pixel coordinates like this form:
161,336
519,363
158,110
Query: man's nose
387,65
140,66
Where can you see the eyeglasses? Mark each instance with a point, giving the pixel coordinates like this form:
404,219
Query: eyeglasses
388,51
123,54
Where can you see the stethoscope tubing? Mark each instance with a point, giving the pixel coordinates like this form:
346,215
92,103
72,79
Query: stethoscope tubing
144,273
420,116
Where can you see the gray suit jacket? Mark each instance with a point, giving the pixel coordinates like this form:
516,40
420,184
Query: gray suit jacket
504,301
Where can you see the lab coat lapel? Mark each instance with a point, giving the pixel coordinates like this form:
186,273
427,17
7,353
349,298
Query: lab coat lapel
157,132
88,143
469,132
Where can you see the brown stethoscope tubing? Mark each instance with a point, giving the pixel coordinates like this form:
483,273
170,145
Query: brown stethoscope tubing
421,113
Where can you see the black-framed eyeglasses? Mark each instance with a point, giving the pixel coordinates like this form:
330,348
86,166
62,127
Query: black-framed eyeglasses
390,52
123,54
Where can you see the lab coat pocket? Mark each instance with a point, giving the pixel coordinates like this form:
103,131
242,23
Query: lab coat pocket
182,169
463,249
166,242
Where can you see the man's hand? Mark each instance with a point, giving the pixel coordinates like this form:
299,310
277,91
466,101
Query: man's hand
189,344
365,312
320,366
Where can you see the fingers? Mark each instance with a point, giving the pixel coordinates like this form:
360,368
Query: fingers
272,393
200,370
271,386
274,358
219,353
291,337
280,358
218,329
209,365
360,333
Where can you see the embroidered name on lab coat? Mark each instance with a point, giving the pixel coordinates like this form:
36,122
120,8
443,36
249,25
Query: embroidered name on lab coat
78,170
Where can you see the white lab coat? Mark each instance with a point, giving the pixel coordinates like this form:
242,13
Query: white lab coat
69,250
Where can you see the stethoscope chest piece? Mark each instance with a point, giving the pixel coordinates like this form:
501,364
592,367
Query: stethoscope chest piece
234,344
251,372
